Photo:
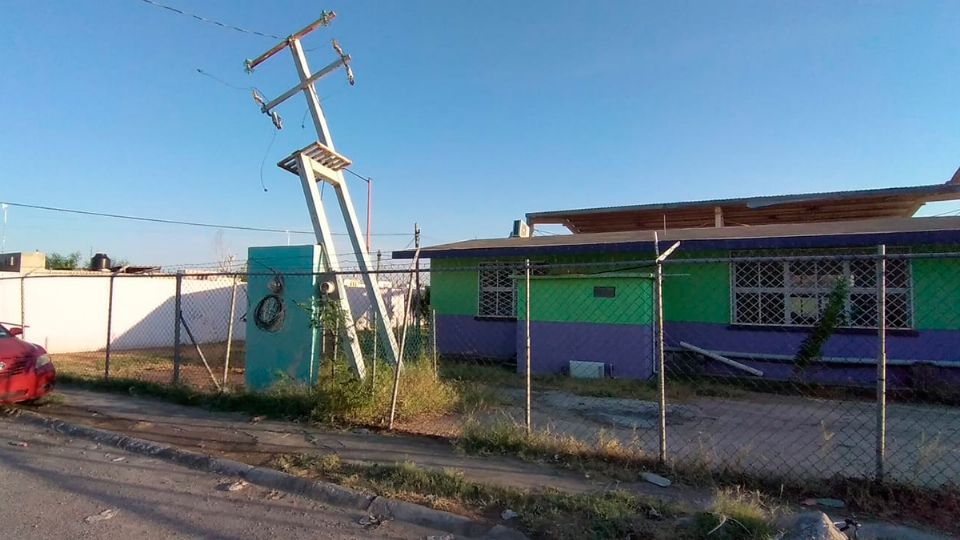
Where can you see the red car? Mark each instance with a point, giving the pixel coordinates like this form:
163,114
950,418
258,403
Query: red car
26,372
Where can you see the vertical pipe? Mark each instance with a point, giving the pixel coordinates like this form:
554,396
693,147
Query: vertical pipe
526,351
376,329
661,365
881,362
176,328
233,312
106,364
369,210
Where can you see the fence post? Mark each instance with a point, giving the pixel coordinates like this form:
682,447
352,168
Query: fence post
403,340
373,354
526,322
433,341
176,328
23,308
881,362
233,312
661,364
106,363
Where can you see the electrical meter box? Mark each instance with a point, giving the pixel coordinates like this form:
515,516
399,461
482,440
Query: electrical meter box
282,342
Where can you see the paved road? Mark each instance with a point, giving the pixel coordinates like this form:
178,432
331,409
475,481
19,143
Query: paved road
50,487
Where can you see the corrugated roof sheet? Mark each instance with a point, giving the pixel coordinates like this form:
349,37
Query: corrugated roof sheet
799,208
737,237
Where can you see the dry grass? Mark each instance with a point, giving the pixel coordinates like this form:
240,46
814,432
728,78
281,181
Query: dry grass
604,453
155,365
345,399
500,376
737,514
339,399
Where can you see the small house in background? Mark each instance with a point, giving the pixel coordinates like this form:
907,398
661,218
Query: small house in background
22,263
589,318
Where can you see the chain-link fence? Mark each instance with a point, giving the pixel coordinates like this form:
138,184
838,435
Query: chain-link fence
803,365
123,326
800,366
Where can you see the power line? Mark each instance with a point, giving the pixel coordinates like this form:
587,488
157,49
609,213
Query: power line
210,21
364,178
225,83
174,221
264,159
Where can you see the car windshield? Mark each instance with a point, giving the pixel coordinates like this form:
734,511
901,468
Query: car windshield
3,332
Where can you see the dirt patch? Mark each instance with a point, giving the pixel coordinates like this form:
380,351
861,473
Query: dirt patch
155,365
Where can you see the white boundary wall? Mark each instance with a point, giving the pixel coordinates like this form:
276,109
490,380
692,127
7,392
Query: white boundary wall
69,313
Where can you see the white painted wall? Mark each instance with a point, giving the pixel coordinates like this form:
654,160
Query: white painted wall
69,313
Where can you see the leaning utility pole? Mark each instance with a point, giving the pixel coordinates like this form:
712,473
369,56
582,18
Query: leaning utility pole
320,162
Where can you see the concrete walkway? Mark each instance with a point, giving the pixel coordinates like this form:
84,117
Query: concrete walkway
236,436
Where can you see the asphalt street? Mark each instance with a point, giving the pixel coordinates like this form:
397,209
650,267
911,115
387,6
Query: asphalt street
55,487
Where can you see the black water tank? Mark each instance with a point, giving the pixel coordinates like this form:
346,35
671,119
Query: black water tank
100,261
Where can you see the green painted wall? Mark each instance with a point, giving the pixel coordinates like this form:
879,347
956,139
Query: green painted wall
692,292
571,299
936,294
697,292
454,286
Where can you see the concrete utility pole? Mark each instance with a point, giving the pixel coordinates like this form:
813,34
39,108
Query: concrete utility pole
320,162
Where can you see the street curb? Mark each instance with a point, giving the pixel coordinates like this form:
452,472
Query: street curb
331,494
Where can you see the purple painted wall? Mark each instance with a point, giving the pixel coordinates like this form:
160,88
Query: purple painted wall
898,377
469,336
919,347
627,348
929,345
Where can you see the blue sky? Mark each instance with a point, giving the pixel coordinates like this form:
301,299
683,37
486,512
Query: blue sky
466,114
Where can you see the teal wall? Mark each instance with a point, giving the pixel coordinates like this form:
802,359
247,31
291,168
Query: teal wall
293,350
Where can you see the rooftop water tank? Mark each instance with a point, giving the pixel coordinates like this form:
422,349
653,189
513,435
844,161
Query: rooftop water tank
100,261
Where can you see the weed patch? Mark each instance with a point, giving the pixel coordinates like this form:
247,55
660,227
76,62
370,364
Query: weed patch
736,514
547,514
502,376
605,454
939,507
338,399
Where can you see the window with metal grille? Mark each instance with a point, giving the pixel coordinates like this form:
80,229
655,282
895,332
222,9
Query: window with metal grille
498,286
794,293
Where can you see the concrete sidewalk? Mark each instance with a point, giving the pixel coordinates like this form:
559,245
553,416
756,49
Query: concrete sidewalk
237,437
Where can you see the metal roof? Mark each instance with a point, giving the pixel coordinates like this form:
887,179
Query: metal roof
781,209
904,231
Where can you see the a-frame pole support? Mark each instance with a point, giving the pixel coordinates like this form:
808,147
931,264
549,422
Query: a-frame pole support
349,215
331,262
